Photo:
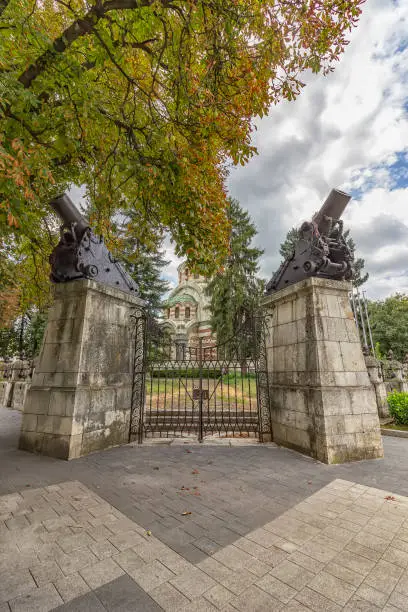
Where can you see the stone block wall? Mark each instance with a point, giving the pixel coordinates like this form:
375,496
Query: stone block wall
15,380
322,401
80,396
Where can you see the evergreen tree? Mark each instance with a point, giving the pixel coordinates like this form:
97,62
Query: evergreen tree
146,270
288,246
235,289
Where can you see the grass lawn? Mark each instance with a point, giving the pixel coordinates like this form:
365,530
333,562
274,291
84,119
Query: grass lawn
231,389
398,427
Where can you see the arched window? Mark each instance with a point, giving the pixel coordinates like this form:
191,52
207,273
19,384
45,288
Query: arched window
187,312
177,312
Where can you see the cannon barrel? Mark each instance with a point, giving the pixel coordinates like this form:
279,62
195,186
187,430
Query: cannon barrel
333,207
68,213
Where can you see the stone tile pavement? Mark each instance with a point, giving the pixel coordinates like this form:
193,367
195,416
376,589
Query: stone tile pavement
268,529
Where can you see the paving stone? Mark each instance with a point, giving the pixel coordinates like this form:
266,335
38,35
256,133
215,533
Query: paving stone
308,563
103,549
292,574
18,522
71,587
174,562
100,573
151,575
124,595
169,598
374,596
333,588
263,537
42,599
219,596
84,603
75,561
317,602
193,582
233,557
150,550
13,584
279,590
98,532
259,568
74,542
273,556
363,551
384,576
199,605
319,552
343,573
355,562
399,600
250,547
402,585
45,572
209,547
129,560
361,604
215,569
253,599
396,556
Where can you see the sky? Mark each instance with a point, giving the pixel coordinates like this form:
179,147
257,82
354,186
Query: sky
347,130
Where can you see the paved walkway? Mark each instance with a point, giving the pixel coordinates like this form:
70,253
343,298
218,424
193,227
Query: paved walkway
191,527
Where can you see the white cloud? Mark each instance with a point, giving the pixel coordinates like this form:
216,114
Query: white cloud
343,131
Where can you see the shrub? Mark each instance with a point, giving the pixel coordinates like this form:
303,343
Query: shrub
398,405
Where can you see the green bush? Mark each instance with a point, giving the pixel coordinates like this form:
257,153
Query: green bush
398,405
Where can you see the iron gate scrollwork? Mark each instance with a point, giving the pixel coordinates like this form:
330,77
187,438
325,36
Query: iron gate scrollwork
201,390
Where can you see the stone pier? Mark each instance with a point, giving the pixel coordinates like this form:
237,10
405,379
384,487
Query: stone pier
80,396
322,400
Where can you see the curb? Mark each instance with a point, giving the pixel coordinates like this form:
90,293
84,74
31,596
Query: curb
397,433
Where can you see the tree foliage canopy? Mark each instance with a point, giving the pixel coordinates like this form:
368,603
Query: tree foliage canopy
389,324
146,102
235,289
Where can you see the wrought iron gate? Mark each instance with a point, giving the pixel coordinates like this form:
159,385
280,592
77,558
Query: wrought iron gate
200,390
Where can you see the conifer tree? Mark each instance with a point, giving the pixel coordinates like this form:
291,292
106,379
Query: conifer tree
235,290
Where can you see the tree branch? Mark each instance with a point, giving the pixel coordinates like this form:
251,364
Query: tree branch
80,27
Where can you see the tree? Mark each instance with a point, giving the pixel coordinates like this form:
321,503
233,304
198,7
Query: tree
389,325
146,270
288,246
235,289
147,102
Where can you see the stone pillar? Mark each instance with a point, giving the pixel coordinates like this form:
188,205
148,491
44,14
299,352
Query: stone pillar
80,396
376,378
322,401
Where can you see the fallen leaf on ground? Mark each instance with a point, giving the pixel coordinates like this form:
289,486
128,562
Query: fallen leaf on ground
156,468
185,513
149,533
188,451
390,498
195,472
196,493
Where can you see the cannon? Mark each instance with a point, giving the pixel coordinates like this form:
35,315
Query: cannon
81,254
321,249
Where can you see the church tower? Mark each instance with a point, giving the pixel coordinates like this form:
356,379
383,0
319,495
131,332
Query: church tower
186,310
